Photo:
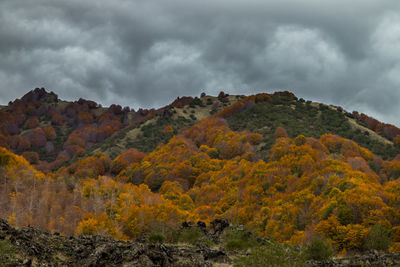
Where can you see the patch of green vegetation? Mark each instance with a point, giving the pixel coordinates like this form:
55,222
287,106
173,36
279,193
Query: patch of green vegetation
319,249
7,253
191,235
196,102
62,135
233,239
273,254
152,134
379,238
299,117
156,238
261,252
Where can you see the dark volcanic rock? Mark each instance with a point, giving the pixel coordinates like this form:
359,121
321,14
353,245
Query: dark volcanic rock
217,227
187,224
39,248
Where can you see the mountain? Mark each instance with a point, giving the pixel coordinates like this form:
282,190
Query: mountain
276,166
51,132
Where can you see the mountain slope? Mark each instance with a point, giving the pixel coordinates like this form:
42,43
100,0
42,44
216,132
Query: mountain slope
307,118
279,165
147,135
51,132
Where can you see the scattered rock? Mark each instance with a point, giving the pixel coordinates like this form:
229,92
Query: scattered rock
202,226
217,226
187,224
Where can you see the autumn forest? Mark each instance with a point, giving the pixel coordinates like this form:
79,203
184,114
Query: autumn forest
286,168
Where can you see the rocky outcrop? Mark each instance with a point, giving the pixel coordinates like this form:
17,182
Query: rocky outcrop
39,248
213,231
217,227
38,94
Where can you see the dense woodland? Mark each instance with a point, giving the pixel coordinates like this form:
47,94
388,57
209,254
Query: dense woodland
283,167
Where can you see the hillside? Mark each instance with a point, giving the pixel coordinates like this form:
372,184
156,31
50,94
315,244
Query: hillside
310,119
51,132
147,135
48,131
282,168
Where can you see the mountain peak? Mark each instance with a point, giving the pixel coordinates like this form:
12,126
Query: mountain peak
40,94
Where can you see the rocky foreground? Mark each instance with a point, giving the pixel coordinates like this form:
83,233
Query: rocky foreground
33,247
40,248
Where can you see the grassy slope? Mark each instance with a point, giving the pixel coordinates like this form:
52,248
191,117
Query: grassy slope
296,116
309,119
147,135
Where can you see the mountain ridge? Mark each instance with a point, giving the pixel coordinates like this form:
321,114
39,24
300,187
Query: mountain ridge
183,111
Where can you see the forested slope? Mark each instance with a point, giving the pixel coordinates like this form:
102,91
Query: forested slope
284,168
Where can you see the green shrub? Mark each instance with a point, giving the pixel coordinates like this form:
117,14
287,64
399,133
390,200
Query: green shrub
319,249
156,238
345,214
236,244
233,239
7,253
196,102
191,235
272,254
379,238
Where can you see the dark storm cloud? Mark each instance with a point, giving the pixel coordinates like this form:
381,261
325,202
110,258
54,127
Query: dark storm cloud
147,52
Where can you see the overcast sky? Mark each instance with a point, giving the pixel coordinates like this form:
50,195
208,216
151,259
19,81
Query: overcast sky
145,53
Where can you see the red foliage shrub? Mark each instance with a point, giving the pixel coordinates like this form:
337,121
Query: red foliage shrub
38,137
125,159
280,132
50,133
24,144
31,123
57,119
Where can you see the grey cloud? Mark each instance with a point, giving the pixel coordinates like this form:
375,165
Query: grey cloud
144,53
